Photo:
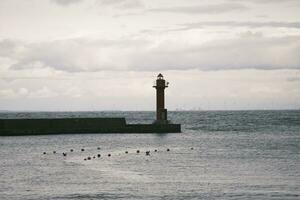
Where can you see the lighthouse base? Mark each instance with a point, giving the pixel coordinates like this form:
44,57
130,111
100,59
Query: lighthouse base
162,122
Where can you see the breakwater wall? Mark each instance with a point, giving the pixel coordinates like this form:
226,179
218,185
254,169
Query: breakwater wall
15,127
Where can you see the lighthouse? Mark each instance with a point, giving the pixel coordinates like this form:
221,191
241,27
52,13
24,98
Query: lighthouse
161,111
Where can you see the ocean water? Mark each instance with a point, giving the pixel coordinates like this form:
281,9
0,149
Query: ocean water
218,155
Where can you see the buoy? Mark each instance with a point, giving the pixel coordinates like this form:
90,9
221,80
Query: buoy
147,153
137,151
44,153
64,154
82,149
71,150
126,152
94,157
54,152
89,158
109,155
168,149
98,148
155,150
192,148
84,159
99,155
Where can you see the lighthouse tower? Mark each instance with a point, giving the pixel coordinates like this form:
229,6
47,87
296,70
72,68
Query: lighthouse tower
161,112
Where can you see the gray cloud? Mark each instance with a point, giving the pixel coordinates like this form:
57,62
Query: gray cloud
204,9
249,50
66,2
72,55
293,79
228,24
113,3
250,24
7,47
266,1
286,3
126,4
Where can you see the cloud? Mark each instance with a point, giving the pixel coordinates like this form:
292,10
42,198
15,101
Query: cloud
128,4
293,79
247,50
250,24
250,50
22,92
288,3
8,93
228,24
72,55
121,4
204,9
66,2
8,47
266,1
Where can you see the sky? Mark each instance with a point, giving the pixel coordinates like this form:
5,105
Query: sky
92,55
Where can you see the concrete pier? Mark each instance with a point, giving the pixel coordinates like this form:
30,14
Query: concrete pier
12,127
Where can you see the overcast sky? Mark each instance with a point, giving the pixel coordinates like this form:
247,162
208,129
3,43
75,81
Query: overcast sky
93,55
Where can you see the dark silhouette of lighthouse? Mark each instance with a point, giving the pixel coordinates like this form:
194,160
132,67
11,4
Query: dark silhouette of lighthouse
161,112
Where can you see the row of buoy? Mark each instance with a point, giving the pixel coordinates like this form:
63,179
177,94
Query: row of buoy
147,153
109,155
71,150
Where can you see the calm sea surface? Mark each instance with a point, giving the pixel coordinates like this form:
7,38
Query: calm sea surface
235,155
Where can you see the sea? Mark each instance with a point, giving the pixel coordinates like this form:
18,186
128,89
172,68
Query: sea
218,155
